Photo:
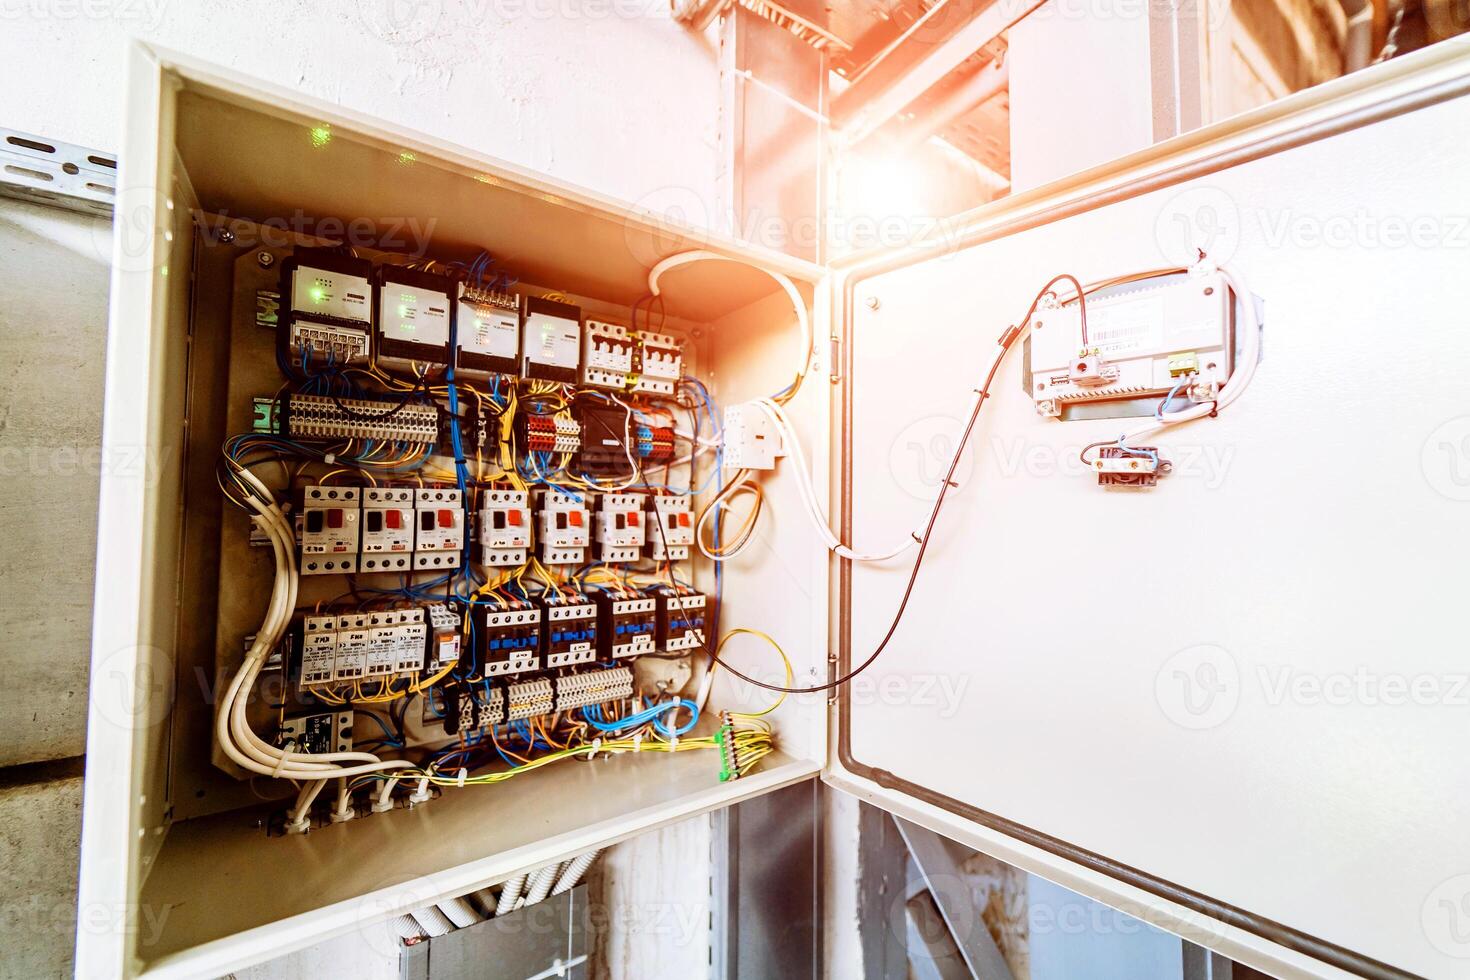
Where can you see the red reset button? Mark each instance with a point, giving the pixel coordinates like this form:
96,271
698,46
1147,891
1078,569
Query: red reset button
446,518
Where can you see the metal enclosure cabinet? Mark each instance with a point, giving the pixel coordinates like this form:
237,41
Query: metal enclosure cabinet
1025,704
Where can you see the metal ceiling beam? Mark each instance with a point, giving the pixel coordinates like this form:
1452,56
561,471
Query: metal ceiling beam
928,51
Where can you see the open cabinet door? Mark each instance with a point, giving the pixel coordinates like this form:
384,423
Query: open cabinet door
1235,703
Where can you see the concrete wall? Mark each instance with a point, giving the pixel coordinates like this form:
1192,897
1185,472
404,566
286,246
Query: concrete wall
610,94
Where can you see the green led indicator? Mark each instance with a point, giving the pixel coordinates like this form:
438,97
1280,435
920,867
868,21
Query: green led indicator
321,136
318,294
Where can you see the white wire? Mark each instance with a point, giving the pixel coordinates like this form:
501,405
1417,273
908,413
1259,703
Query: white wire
1239,379
703,255
792,444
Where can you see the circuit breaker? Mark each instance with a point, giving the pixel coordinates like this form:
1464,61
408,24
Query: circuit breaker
670,527
563,528
318,645
658,363
330,530
505,528
387,529
620,527
607,355
353,643
439,537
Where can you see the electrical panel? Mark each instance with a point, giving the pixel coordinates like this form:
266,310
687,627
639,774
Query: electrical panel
551,340
507,636
670,527
659,362
328,316
607,355
569,625
1140,342
563,528
627,623
488,328
505,528
620,527
414,310
439,538
330,530
387,529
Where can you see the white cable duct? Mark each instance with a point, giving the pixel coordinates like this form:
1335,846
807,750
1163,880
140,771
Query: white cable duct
576,868
540,884
433,922
510,893
459,912
407,927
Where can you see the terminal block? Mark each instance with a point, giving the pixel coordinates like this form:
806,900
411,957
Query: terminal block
654,444
330,530
488,328
507,636
414,310
1133,466
670,527
620,527
440,536
322,417
387,529
563,528
328,308
607,355
569,630
505,528
444,637
550,434
529,698
658,362
593,687
626,624
551,340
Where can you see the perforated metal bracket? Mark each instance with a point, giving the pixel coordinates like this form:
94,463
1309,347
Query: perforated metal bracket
60,175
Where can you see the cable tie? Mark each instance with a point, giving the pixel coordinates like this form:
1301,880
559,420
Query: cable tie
1214,410
596,744
673,743
330,459
459,782
280,762
638,740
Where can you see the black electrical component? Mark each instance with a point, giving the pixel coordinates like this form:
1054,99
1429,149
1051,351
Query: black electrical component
627,622
682,617
507,636
568,630
605,438
478,430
